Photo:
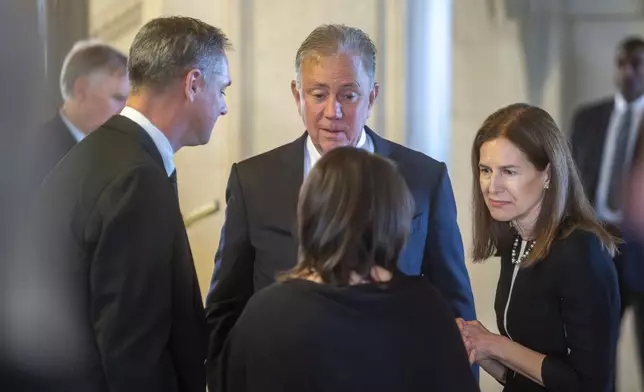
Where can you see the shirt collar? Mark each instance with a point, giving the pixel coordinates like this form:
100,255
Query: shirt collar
160,140
621,104
364,143
77,134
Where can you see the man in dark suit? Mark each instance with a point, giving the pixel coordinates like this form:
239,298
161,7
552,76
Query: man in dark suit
120,279
335,92
94,86
606,140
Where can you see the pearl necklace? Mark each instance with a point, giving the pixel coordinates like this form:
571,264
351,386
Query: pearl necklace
525,254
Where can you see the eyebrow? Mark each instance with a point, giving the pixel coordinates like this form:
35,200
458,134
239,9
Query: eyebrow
318,85
351,84
505,167
323,85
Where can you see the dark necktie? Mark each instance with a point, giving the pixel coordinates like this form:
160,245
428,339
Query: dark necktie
173,179
619,161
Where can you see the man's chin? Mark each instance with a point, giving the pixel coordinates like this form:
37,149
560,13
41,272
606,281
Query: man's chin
330,145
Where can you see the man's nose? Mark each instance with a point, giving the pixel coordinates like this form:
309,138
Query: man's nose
333,109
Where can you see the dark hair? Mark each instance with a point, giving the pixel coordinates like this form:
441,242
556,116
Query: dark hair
354,213
167,48
564,207
631,44
87,57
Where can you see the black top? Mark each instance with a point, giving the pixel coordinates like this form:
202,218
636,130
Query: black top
305,336
567,307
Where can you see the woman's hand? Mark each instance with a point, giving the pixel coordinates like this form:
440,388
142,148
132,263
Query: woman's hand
480,343
461,327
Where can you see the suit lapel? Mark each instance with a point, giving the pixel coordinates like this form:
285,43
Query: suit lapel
603,123
292,159
381,146
591,147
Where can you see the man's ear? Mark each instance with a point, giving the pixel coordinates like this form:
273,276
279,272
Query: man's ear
296,96
80,87
373,94
193,83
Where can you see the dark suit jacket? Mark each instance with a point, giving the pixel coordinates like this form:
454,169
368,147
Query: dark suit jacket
50,143
107,224
589,131
258,241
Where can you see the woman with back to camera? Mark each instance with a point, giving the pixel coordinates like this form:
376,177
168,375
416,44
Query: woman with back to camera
557,300
345,318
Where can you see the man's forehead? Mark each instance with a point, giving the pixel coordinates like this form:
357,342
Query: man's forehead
336,69
109,78
337,60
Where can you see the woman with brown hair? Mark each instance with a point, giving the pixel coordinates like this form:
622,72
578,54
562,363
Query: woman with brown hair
557,300
345,318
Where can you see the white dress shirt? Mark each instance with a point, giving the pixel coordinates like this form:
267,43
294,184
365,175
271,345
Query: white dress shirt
77,134
312,155
160,140
604,212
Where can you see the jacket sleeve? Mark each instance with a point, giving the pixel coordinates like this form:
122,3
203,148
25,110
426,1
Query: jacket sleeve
590,308
232,281
444,261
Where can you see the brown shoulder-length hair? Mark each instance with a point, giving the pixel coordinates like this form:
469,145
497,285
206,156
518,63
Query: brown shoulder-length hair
354,213
564,208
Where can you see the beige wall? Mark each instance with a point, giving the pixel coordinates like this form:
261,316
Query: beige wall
490,69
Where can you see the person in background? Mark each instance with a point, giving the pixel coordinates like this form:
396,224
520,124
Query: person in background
607,139
557,300
94,86
345,318
334,91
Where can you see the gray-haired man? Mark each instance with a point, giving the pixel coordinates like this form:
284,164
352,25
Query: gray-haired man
107,223
94,86
334,90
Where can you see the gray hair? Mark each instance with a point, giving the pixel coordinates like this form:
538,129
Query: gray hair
330,39
166,48
86,58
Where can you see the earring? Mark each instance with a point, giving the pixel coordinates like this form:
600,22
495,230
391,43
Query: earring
547,186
